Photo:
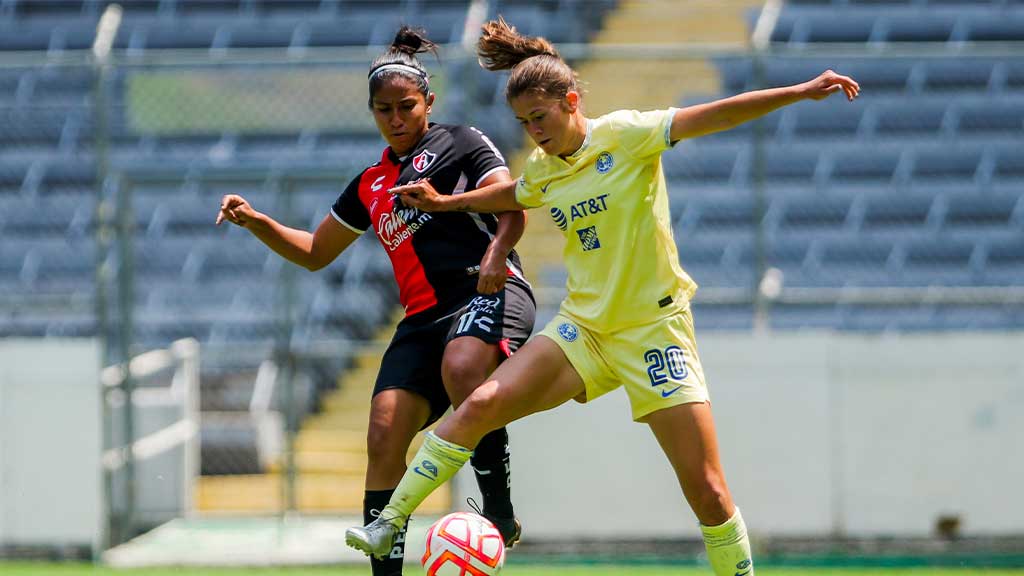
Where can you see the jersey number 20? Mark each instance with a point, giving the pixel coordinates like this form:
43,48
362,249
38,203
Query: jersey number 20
672,359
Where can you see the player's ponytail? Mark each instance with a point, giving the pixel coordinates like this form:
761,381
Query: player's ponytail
400,58
536,65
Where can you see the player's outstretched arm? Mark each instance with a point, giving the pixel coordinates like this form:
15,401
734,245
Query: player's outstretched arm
312,251
498,197
694,121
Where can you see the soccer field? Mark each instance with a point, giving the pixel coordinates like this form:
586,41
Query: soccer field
43,569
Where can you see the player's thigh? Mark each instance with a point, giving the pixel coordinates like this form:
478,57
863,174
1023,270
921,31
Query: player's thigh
486,330
536,378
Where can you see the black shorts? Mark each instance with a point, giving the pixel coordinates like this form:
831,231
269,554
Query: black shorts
413,359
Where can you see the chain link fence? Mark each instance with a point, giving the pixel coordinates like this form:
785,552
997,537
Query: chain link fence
900,211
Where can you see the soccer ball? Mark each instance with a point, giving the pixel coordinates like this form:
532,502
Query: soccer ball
463,544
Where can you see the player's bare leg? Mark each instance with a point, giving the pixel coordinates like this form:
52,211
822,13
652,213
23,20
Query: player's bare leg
395,417
537,378
467,362
686,434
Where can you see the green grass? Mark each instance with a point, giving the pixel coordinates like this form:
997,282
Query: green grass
45,569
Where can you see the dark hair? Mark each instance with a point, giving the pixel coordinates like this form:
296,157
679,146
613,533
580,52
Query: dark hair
536,65
407,44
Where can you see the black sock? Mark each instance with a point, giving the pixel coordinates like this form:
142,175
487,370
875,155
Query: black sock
375,501
494,473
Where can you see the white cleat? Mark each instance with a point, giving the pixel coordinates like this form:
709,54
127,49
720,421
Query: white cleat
375,539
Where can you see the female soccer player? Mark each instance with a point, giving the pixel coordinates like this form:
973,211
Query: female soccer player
467,303
626,320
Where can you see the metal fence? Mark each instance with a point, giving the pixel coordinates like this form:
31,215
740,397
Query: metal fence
902,210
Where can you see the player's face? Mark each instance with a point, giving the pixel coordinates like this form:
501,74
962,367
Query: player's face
549,121
400,111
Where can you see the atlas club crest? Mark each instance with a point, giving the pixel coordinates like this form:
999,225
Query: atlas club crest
423,160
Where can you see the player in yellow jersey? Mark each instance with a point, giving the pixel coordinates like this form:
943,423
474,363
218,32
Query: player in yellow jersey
626,320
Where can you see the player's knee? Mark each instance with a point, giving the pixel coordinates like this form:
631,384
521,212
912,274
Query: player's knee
462,374
483,404
713,503
382,448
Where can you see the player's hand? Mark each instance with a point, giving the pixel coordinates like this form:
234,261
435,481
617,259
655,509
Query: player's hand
829,83
492,272
420,194
236,210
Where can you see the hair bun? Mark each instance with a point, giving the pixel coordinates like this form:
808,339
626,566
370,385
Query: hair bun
411,41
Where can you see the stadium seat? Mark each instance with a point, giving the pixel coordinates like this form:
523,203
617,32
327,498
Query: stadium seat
861,261
948,262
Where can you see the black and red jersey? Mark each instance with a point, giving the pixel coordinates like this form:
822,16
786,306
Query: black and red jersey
435,256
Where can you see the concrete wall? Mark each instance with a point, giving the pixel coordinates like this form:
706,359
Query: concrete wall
819,433
50,443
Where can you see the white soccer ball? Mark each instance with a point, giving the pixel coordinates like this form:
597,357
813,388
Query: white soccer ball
463,544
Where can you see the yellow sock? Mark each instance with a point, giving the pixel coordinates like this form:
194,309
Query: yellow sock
728,547
434,464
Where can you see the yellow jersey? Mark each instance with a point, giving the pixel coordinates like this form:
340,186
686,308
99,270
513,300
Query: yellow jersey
609,199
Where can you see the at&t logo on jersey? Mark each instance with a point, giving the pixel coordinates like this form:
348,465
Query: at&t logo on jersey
423,160
588,238
559,217
568,332
604,163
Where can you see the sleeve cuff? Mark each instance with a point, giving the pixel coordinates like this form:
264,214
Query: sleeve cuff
489,172
668,127
346,224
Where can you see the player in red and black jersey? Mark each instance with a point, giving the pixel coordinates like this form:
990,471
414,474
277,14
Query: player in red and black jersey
467,303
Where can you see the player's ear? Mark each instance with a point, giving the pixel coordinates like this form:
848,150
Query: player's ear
571,101
430,101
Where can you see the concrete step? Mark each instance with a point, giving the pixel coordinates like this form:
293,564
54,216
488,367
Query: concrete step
264,494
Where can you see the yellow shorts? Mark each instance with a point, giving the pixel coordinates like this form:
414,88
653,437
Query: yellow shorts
657,362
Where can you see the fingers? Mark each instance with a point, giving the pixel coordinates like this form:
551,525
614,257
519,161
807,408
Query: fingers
229,210
838,82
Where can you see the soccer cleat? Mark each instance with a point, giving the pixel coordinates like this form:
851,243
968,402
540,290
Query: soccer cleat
375,539
511,529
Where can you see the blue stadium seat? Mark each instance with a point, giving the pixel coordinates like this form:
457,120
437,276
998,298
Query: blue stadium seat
918,27
865,165
62,266
17,36
260,34
1004,262
945,166
67,177
835,118
849,26
815,215
960,75
949,262
900,214
699,164
977,212
190,33
996,27
992,118
900,118
861,261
